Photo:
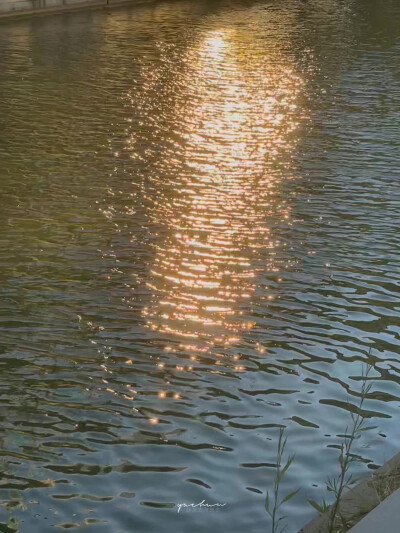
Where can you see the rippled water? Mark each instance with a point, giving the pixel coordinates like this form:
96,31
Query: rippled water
199,243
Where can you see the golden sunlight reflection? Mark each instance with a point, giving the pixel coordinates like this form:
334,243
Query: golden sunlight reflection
213,189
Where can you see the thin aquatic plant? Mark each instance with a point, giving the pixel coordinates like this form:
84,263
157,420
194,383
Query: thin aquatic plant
274,503
344,479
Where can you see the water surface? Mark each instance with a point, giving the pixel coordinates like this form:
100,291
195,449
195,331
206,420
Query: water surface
199,244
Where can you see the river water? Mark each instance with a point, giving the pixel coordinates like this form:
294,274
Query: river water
199,244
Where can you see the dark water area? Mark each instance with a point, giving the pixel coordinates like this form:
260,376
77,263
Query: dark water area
199,211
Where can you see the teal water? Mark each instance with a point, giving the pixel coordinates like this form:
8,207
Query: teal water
199,243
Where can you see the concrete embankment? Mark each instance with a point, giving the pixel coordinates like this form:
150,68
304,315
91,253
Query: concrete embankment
13,8
362,499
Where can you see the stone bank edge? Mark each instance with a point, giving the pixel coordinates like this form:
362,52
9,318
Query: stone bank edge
17,8
363,498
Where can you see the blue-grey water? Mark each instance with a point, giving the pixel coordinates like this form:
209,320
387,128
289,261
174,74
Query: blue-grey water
200,213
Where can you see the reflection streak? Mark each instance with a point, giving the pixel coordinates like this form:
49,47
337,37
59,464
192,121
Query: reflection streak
232,145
